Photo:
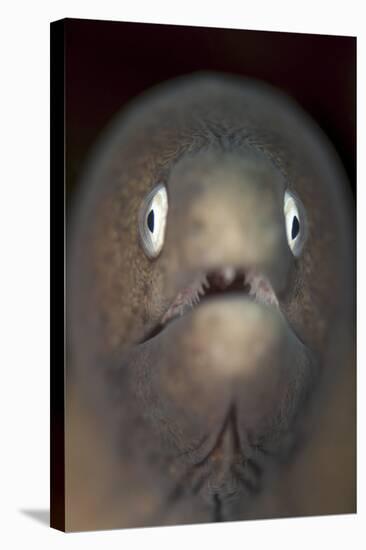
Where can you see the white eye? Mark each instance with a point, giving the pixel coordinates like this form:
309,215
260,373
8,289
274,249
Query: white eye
152,221
295,223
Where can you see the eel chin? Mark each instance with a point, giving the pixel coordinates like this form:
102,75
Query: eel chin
223,374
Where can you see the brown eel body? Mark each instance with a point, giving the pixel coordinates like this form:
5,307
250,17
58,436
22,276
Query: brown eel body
215,381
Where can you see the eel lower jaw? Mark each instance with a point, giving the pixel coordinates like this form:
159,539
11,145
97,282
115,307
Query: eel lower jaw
218,283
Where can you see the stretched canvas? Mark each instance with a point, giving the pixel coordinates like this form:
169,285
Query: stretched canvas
203,193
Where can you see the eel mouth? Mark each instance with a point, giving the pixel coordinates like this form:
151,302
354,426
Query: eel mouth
214,283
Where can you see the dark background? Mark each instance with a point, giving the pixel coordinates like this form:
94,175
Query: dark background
107,63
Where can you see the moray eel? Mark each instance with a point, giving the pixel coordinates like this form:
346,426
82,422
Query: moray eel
210,314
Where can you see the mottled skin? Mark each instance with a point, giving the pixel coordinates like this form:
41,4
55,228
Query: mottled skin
196,424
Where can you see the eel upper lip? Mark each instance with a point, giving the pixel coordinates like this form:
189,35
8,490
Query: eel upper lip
224,280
